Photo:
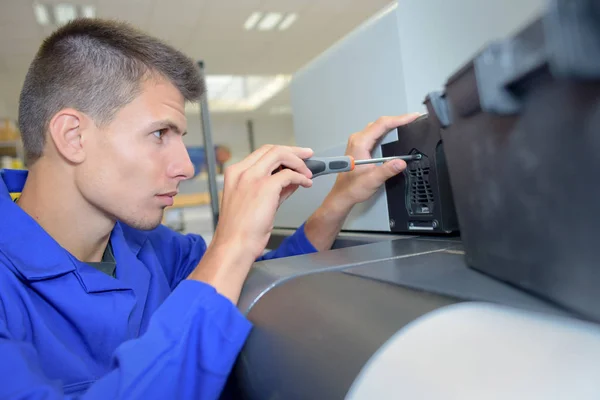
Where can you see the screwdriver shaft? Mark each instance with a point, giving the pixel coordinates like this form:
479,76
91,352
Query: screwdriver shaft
384,159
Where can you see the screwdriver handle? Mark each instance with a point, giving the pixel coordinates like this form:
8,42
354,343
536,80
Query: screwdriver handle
329,165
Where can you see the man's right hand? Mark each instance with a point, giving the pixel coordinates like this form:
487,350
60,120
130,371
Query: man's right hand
251,196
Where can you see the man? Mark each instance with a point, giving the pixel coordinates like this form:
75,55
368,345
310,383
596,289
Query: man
97,299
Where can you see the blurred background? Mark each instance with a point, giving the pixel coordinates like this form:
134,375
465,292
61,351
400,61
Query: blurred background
337,64
250,48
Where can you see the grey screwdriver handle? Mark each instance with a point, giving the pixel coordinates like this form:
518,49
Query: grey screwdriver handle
329,165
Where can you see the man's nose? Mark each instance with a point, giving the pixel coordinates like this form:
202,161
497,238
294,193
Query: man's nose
181,165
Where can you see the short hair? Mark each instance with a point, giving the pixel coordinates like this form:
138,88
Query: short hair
95,66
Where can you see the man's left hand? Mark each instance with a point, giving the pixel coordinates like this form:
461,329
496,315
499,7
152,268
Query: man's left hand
357,186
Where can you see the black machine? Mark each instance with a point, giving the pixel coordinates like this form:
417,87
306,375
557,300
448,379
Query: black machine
522,138
420,200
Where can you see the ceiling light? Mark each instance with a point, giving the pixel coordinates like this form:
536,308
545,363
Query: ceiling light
237,93
41,14
268,91
288,21
63,13
269,21
252,20
88,11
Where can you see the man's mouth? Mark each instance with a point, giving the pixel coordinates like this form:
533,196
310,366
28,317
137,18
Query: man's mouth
169,194
167,198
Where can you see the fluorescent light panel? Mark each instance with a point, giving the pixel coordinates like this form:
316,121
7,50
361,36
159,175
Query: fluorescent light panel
88,11
288,21
237,93
41,14
60,14
252,20
63,13
269,22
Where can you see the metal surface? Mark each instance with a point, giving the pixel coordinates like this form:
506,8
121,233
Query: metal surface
318,318
250,130
349,239
266,275
313,334
209,148
445,273
384,159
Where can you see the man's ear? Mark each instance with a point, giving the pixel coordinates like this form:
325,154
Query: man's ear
66,129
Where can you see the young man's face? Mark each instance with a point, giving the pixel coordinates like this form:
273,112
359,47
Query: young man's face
133,167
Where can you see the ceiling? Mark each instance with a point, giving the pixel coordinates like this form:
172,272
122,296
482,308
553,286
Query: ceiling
208,30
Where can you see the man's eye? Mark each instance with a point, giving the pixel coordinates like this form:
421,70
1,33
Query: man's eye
159,134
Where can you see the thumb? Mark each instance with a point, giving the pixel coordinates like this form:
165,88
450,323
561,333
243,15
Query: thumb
388,170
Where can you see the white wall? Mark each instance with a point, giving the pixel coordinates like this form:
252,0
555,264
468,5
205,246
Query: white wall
349,85
438,36
230,130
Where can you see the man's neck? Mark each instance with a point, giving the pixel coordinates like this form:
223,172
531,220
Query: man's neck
55,203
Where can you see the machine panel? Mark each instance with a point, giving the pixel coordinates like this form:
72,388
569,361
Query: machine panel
420,199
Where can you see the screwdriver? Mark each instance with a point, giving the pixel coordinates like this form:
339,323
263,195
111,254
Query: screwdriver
332,165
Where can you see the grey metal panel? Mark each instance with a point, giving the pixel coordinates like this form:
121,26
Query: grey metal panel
447,274
344,239
267,274
313,334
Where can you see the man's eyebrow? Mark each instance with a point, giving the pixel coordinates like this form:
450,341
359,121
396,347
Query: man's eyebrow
166,124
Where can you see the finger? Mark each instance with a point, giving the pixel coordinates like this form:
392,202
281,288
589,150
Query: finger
290,157
374,131
384,172
233,172
288,177
251,159
287,192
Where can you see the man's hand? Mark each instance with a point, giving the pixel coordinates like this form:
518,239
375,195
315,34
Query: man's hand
251,196
359,185
356,186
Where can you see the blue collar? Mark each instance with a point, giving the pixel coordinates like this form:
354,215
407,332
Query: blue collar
12,181
31,251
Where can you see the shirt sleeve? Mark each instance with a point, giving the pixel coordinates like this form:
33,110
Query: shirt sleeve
187,352
294,245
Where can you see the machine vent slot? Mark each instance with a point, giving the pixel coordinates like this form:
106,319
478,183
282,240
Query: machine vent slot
420,190
420,198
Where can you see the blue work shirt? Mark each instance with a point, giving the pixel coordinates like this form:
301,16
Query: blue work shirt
68,330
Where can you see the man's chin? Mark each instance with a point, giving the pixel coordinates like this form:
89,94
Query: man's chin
145,224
